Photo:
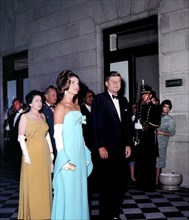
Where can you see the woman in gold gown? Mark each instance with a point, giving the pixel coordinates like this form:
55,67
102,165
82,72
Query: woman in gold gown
35,196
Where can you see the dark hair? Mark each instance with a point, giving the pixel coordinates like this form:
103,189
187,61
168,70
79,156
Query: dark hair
30,96
112,73
166,102
87,91
63,81
47,89
46,92
16,99
154,96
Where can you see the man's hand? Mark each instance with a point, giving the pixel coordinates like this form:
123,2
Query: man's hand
103,153
127,151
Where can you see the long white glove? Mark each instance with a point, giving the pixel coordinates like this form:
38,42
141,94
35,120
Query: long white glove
58,136
21,140
87,162
51,151
50,146
138,125
58,128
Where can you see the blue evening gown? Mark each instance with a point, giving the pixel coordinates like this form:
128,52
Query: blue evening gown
70,200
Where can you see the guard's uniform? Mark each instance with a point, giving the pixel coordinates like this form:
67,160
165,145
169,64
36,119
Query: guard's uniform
147,150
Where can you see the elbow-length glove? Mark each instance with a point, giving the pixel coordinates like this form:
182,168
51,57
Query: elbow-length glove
58,128
50,146
58,136
51,150
21,140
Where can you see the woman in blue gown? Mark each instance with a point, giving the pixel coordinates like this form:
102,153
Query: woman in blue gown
73,163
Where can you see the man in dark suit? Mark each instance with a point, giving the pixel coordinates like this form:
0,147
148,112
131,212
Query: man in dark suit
111,116
86,105
15,150
88,97
50,95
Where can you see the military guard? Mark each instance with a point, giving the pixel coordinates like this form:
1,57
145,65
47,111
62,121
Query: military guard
150,117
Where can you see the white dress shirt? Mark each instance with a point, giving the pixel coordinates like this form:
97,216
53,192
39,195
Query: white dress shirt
50,106
88,107
17,115
116,103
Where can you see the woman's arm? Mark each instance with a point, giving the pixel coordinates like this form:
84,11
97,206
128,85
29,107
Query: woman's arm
163,133
22,137
58,126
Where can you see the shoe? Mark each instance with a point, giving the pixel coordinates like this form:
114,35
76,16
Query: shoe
116,218
158,186
132,181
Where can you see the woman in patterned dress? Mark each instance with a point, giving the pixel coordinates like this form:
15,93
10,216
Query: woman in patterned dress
166,129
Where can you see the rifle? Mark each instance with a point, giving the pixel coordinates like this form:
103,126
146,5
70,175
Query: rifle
137,124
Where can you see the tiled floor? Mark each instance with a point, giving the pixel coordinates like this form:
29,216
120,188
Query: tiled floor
157,205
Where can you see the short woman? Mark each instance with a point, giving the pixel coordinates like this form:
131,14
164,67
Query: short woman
35,197
166,129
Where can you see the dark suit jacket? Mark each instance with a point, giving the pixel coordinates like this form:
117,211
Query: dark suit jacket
87,128
15,149
50,121
11,120
14,129
109,131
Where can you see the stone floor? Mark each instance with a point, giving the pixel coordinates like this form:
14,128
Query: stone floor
157,205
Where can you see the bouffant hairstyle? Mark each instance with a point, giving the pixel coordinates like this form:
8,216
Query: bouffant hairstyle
30,96
63,81
166,102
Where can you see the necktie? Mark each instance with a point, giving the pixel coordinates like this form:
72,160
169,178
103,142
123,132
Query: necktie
115,96
52,107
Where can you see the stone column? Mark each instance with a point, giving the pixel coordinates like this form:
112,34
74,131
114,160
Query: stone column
174,65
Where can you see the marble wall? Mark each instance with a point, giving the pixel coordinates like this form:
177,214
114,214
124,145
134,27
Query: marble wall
61,34
174,64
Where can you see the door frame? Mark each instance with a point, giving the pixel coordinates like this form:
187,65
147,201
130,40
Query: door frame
9,73
130,54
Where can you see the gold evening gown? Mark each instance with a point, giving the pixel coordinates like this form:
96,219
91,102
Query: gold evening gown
35,196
